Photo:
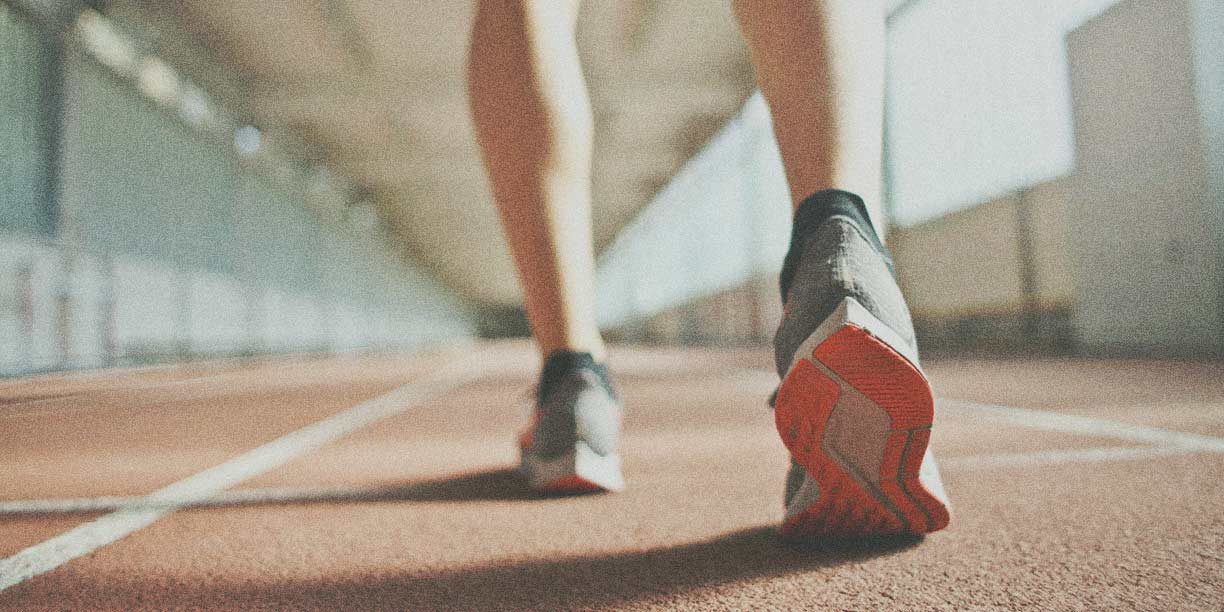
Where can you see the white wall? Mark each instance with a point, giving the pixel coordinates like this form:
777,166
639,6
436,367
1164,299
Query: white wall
1123,182
723,219
979,105
978,100
1209,63
1146,226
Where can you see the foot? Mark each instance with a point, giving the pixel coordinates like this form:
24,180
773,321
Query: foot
854,408
571,445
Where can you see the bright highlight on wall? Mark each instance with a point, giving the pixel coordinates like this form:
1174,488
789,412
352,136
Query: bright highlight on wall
979,101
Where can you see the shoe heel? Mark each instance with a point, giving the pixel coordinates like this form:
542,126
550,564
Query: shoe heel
855,411
578,471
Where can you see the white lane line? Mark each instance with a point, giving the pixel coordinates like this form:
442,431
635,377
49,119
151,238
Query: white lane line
253,496
1061,456
84,539
68,505
1088,426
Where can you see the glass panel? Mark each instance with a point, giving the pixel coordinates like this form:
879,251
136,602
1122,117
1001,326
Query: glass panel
25,197
137,180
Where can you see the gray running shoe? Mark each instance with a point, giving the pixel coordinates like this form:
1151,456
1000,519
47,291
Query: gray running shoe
572,443
854,407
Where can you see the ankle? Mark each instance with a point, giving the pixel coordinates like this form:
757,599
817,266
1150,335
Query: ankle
812,213
561,364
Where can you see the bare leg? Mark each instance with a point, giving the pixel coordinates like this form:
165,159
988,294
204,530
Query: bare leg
533,121
820,65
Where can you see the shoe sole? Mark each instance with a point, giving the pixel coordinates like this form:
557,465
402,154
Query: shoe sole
856,412
581,470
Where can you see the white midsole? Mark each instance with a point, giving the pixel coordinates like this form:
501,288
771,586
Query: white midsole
851,312
601,470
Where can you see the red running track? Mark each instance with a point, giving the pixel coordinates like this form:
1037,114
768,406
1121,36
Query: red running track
1075,484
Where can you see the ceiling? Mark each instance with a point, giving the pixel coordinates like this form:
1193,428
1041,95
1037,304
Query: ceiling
375,91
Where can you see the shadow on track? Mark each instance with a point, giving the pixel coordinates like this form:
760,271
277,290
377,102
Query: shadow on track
662,576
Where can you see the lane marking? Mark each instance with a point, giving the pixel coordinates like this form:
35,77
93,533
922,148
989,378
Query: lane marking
91,536
1100,454
16,410
210,487
68,505
239,497
1088,426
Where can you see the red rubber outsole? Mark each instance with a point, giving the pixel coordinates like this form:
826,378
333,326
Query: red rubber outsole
860,505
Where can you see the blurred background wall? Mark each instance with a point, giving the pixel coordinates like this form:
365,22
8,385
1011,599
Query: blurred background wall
1055,179
134,228
1054,176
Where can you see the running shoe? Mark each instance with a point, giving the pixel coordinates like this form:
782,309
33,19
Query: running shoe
854,407
572,443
